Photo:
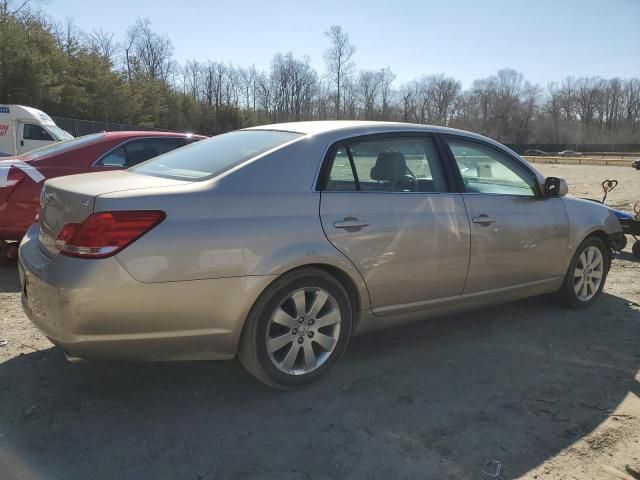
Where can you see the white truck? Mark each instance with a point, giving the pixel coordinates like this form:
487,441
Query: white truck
23,129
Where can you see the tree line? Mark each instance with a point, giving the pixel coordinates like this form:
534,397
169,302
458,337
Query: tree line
66,71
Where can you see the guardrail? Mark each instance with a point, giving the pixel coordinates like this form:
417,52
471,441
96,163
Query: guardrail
617,162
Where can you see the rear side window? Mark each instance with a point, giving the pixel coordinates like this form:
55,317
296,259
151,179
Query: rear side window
485,170
116,158
35,132
137,151
397,164
207,158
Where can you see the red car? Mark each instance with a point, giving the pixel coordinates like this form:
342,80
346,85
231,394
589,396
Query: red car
21,177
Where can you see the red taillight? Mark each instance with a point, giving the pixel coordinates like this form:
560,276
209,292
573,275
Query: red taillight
104,234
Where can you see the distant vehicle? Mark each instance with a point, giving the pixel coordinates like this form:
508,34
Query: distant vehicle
569,153
535,153
636,164
22,177
267,244
23,129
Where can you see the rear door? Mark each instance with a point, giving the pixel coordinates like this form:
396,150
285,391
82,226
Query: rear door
518,236
32,136
386,205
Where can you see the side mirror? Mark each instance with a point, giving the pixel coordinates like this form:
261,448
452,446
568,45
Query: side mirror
555,187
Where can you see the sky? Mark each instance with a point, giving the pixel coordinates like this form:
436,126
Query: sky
546,40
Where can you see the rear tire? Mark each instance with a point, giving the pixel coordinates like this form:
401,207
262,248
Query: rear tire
636,249
297,330
587,274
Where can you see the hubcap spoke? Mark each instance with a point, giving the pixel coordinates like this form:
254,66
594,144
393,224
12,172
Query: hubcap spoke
290,359
309,356
583,291
325,341
596,274
275,344
578,286
318,303
300,303
283,318
330,318
583,259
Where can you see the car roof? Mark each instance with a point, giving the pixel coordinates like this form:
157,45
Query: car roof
355,127
144,133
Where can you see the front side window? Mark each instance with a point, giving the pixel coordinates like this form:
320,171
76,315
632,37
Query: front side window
485,170
396,164
207,158
139,151
35,132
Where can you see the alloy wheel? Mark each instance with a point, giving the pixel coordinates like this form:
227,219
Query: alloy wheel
588,273
303,331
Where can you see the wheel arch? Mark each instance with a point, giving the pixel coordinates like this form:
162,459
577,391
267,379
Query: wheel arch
357,292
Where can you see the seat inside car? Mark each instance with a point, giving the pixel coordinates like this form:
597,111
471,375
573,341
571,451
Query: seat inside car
390,169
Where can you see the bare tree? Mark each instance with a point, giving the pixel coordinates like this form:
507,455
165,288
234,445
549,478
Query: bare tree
369,85
387,77
338,58
9,7
147,52
104,44
444,91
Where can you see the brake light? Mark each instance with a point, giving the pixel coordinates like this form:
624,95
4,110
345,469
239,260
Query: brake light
104,234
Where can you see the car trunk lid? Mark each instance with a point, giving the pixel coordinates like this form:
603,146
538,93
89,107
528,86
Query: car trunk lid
71,199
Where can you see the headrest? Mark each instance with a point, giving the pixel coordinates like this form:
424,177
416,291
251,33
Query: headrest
389,166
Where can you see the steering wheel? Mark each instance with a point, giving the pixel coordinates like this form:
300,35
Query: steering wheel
406,180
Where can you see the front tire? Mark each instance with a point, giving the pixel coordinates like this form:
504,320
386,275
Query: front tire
297,330
587,274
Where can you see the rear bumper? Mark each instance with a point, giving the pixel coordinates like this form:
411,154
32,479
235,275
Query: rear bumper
94,309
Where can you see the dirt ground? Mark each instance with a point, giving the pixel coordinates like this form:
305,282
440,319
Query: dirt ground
523,390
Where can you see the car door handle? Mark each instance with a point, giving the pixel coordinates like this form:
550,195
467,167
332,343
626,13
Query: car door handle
484,220
351,224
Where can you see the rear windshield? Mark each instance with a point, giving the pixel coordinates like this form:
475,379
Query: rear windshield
207,158
63,146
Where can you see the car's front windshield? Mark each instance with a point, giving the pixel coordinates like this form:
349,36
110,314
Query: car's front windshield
207,158
62,146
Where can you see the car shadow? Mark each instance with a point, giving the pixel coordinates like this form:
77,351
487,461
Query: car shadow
628,256
9,278
515,384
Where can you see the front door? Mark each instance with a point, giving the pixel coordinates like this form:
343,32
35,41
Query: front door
32,136
518,236
386,206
